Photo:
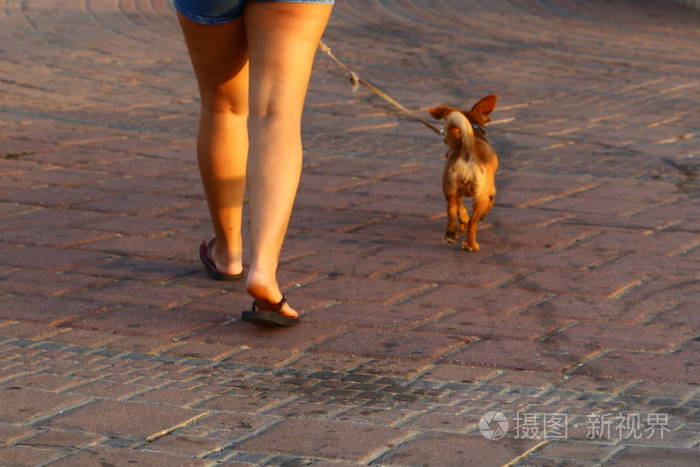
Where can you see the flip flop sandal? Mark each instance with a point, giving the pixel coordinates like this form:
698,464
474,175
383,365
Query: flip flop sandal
213,272
273,317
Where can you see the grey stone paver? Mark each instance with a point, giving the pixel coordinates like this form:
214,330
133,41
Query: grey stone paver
581,306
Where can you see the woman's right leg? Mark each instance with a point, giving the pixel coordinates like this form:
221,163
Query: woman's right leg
282,42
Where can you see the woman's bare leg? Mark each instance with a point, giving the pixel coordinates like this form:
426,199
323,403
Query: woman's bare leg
282,42
220,60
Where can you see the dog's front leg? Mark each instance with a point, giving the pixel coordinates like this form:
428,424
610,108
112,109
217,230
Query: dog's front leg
453,202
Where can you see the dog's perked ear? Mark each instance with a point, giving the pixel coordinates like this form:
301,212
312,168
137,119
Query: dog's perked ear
485,106
441,111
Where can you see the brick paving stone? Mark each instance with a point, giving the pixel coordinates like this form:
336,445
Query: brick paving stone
600,282
342,440
391,368
65,177
620,310
46,382
27,456
83,338
168,397
124,419
139,204
374,415
680,315
326,361
145,321
108,390
21,405
484,324
500,299
166,246
565,450
588,383
302,408
51,196
458,373
555,259
49,310
454,272
373,290
648,338
650,388
536,379
138,292
261,356
67,440
105,455
135,269
37,219
372,314
440,422
10,433
31,282
140,344
385,343
518,355
635,365
28,330
240,403
44,258
455,450
189,446
657,457
139,225
200,350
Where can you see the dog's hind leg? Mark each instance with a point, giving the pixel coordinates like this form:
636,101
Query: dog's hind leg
453,203
480,208
463,215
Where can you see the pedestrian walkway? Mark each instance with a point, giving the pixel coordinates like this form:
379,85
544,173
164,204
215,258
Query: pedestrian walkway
571,338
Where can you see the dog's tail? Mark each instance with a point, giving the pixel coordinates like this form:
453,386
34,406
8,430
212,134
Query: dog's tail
457,120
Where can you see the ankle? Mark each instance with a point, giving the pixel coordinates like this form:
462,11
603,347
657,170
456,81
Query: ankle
263,287
226,259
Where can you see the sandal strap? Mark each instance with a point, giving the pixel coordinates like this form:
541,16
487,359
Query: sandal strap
276,307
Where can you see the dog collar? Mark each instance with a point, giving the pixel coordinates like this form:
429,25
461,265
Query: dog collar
479,128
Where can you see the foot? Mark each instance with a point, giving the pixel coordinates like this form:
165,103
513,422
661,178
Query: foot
226,262
470,246
451,237
268,292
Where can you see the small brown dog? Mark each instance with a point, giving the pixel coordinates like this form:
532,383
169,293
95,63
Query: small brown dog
470,169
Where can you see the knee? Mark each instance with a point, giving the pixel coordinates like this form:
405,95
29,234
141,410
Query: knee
283,111
274,120
224,109
221,103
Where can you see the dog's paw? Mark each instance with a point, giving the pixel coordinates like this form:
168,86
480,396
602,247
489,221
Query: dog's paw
462,227
470,247
451,237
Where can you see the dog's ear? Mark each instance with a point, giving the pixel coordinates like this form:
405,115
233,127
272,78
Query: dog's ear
441,111
485,106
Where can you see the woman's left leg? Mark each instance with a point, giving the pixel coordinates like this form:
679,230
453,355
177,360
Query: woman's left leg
219,57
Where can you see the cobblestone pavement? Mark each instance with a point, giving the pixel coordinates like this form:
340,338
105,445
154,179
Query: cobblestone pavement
578,320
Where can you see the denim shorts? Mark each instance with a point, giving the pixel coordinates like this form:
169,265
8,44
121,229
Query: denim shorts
222,11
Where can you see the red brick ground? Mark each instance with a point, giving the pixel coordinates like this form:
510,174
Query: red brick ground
115,349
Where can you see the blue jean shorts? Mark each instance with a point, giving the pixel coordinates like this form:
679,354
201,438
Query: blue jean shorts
222,11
